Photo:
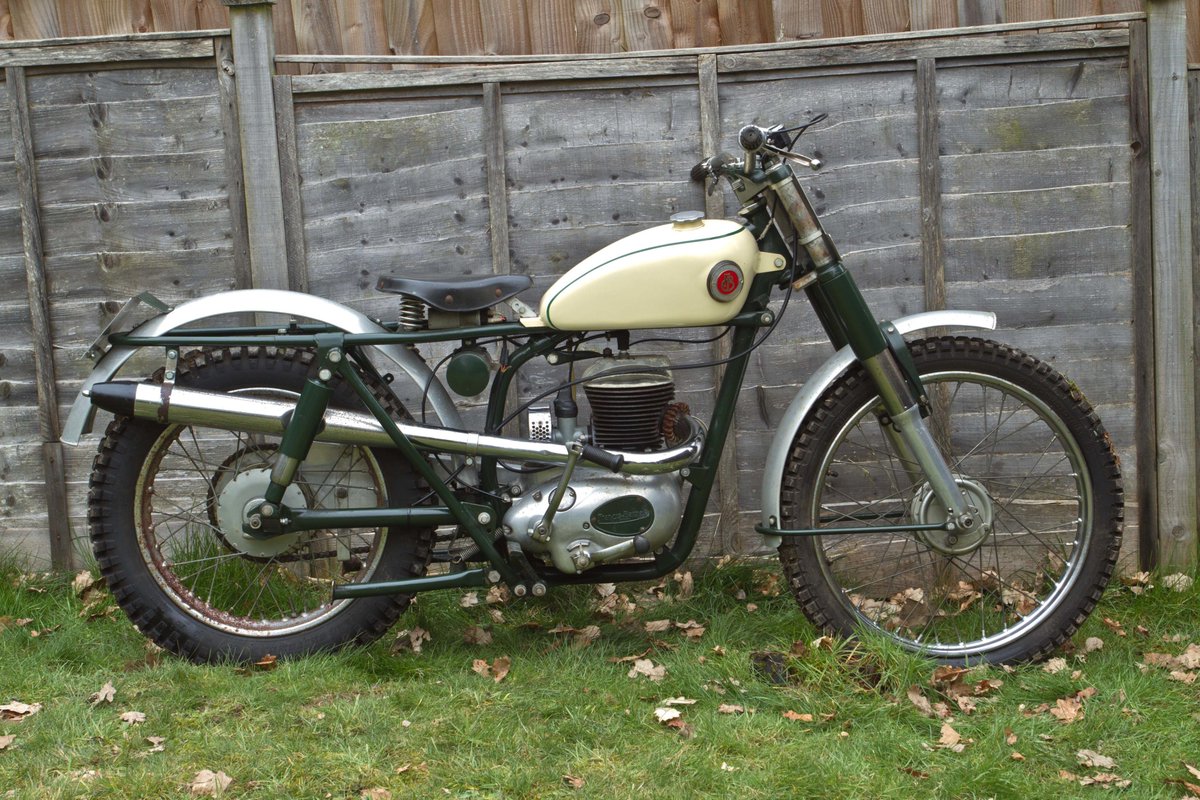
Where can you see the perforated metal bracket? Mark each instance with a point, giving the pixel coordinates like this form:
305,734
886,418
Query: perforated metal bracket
100,346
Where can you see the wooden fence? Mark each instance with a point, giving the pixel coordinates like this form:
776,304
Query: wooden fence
472,27
984,169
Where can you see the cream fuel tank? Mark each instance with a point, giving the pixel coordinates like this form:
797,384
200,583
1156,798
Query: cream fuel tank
692,272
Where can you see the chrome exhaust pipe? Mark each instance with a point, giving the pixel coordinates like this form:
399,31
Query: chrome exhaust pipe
167,403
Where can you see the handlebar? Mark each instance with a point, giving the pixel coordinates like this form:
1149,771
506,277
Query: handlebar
756,141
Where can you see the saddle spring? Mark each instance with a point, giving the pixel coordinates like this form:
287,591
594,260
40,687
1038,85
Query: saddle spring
414,313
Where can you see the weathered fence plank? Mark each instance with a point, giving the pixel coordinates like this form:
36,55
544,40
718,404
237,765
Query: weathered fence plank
234,173
377,27
1194,114
1174,350
728,503
253,54
929,157
39,315
116,49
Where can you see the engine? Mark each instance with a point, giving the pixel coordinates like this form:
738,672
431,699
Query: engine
601,516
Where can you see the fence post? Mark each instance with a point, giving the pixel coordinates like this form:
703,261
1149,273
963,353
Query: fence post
729,531
253,64
1174,350
53,470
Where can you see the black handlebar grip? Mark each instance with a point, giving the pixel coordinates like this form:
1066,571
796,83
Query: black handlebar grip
751,137
610,461
700,171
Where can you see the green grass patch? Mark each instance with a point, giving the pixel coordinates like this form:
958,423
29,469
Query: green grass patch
777,710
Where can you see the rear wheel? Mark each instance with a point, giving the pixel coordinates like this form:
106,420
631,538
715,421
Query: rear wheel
1036,467
165,508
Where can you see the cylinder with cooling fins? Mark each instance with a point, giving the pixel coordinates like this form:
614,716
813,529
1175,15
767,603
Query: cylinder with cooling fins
628,397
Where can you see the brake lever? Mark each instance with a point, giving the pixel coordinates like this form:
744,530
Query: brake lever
805,161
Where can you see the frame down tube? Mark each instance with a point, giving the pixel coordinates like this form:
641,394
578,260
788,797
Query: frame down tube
460,512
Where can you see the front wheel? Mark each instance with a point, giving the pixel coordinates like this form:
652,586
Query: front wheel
1033,462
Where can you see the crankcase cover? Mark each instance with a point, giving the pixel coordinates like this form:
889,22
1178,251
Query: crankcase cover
657,278
603,508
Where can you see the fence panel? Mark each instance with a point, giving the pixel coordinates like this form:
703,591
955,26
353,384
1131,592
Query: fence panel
1023,145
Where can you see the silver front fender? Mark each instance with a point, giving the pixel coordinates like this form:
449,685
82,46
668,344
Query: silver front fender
292,304
821,380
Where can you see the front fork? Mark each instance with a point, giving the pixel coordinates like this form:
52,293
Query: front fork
884,357
879,348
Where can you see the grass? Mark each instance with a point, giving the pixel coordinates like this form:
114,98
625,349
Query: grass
426,725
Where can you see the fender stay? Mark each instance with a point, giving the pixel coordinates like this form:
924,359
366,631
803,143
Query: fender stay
821,380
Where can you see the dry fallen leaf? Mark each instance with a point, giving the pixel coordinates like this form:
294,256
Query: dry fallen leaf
666,714
1090,758
105,695
375,793
678,701
207,782
1092,644
727,768
1055,666
477,636
497,670
1178,582
682,728
1114,626
950,737
920,701
6,741
1105,779
795,717
585,636
730,708
1068,709
916,773
86,585
685,585
1188,659
157,744
947,676
1010,738
657,625
133,717
573,781
411,640
646,667
469,599
267,663
1015,756
629,659
497,594
19,710
605,589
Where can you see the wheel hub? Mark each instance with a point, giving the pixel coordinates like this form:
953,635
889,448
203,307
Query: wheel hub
232,502
927,509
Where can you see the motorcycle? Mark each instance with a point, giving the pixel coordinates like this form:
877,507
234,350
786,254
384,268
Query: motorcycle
266,491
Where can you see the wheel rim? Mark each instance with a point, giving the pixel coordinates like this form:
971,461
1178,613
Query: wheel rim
251,590
1001,441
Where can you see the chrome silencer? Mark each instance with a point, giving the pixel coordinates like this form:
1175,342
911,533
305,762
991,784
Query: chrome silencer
178,405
